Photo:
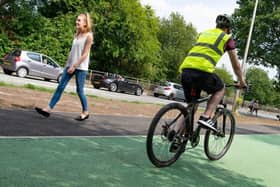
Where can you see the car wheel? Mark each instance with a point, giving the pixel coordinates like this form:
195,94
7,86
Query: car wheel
113,87
59,78
95,86
8,72
156,95
138,91
171,96
22,72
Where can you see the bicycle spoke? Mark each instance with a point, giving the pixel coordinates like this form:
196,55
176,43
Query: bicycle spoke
162,133
161,145
217,143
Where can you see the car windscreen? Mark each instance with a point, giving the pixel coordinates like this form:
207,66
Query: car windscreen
49,61
178,87
164,84
16,53
97,77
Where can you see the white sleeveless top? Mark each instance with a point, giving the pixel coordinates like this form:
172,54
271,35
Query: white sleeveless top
77,48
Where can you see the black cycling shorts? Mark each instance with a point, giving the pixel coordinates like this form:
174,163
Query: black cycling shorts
194,81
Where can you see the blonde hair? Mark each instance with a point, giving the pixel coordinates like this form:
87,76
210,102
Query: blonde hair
88,21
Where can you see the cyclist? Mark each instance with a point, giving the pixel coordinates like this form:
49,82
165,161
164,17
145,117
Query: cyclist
197,69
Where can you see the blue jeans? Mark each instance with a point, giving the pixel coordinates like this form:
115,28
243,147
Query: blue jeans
80,82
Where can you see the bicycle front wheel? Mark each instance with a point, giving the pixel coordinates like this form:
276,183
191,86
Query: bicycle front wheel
216,144
161,136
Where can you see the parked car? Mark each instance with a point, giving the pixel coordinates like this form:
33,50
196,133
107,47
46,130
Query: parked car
101,81
170,90
31,63
116,83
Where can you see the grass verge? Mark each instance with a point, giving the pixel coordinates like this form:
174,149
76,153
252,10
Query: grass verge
49,90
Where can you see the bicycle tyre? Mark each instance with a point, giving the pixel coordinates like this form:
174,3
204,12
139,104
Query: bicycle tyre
150,149
229,126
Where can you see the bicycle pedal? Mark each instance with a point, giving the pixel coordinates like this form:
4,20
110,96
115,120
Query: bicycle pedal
171,135
195,141
182,150
174,147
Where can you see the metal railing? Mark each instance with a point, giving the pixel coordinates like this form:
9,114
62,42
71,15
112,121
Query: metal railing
147,85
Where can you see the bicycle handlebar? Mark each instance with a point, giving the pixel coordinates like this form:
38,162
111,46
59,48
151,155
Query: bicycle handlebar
237,86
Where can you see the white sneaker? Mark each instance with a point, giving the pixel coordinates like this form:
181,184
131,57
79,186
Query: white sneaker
206,122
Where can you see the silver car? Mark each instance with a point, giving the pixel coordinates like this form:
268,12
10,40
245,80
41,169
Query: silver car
170,90
30,63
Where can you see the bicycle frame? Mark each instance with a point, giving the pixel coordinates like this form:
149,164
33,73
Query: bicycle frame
190,132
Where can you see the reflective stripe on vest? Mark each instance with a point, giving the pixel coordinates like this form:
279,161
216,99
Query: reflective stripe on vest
204,56
207,51
215,45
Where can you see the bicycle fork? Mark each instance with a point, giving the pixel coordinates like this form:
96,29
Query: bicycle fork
190,133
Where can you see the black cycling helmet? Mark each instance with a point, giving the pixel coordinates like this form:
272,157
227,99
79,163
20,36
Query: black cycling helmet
223,21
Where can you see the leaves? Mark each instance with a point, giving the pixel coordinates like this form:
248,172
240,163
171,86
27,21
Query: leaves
176,38
265,44
128,38
261,87
227,79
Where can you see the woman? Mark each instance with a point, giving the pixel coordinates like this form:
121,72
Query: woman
77,64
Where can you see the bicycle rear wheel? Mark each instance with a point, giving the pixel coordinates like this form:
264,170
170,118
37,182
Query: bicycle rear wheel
160,138
217,144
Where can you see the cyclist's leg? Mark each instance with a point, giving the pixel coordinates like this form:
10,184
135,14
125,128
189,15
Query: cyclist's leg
213,102
188,78
215,86
179,126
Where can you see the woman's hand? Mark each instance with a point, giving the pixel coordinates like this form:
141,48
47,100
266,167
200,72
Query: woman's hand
71,69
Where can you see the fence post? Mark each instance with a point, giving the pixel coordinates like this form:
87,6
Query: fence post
90,76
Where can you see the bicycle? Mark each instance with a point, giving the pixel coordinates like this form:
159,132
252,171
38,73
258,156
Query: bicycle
165,144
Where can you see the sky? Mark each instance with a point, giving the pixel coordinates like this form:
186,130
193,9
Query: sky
202,14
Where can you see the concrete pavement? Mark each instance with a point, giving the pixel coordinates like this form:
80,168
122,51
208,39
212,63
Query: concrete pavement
261,114
29,123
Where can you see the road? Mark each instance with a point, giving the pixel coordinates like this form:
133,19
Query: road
89,89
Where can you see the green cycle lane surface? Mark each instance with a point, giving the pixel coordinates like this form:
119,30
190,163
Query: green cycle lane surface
253,160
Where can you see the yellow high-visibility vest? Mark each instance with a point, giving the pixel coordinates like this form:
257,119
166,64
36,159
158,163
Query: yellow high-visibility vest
207,51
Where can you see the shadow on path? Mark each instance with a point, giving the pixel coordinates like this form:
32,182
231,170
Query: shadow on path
115,161
29,123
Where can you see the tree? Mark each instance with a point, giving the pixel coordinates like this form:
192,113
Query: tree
128,38
3,2
265,44
226,77
176,38
125,32
54,39
29,30
21,20
261,87
125,39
